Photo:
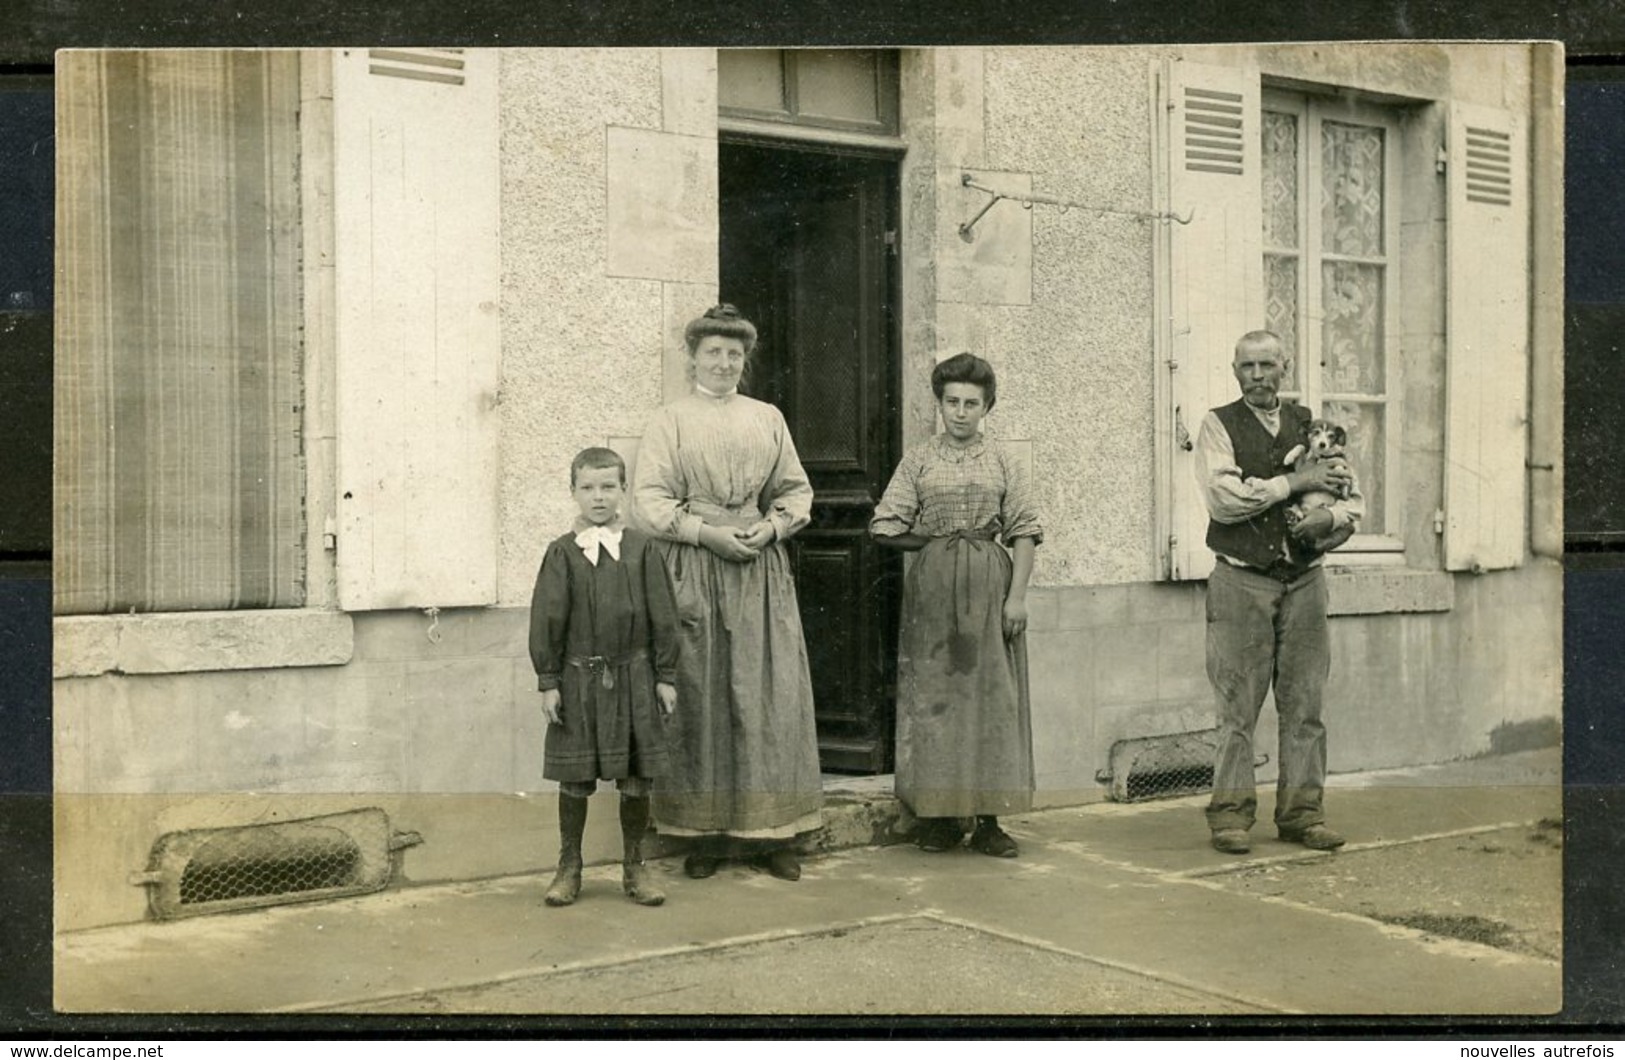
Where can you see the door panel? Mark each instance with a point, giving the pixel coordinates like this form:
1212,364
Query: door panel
805,256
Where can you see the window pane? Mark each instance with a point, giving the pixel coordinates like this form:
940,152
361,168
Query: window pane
1280,180
1281,310
1351,183
1366,449
1351,335
838,84
178,388
750,79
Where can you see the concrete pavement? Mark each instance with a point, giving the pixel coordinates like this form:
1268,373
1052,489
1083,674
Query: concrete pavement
1111,909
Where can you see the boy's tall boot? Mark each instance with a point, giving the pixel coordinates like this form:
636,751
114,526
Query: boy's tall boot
566,883
635,879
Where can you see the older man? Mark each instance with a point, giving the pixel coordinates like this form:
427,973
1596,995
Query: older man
1266,599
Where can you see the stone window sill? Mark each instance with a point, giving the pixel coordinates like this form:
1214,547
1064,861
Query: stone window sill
1378,590
196,641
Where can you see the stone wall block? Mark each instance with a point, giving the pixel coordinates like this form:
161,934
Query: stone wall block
458,726
1091,606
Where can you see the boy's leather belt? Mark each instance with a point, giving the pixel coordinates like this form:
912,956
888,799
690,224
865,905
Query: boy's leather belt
603,666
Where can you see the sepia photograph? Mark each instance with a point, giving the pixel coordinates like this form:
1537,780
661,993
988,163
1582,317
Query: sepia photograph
942,531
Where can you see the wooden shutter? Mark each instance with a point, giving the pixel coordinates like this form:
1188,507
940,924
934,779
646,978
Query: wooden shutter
1486,419
1214,276
417,279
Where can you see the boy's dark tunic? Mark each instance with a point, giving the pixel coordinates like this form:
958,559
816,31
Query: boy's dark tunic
603,635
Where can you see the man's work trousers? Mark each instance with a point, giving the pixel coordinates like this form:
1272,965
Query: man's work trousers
1260,631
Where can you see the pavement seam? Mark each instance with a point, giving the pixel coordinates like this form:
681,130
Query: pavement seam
1115,965
1203,877
572,967
1453,947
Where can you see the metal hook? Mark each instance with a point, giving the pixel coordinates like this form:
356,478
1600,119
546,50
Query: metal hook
967,230
434,634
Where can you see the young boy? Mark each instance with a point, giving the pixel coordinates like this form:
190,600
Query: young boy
603,639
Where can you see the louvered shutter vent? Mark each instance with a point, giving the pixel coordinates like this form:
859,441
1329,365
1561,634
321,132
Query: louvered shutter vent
1214,128
1489,166
419,64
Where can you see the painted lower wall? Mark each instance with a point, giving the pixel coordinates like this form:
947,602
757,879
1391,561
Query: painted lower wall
1407,687
438,723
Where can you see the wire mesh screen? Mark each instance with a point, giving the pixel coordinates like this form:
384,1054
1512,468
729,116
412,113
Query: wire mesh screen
1166,783
255,862
1162,767
219,869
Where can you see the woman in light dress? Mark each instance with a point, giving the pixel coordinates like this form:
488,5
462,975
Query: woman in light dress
719,483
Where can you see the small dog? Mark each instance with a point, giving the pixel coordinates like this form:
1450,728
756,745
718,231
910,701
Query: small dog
1325,442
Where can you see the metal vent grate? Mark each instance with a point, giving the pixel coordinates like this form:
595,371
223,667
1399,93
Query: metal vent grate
1162,767
1489,166
249,864
219,869
1213,131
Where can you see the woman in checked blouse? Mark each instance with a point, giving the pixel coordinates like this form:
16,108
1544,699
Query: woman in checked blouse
964,730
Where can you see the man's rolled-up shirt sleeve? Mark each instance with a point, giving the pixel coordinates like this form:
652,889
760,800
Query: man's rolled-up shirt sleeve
1231,498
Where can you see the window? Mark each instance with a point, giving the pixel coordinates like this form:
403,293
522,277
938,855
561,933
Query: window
1330,233
178,356
850,89
1292,221
183,355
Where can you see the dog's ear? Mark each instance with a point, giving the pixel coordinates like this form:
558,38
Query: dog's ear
1340,436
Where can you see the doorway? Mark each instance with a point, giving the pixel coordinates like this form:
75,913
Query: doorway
808,237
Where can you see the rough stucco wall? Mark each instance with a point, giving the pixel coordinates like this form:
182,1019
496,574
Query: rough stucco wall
919,206
1076,366
581,350
1415,71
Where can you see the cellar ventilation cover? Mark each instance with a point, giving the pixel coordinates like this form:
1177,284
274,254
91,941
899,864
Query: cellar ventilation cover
213,870
1162,767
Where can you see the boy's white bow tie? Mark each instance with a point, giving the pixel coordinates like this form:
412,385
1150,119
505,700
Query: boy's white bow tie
592,537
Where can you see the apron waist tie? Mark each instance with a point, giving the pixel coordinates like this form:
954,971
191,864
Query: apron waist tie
961,583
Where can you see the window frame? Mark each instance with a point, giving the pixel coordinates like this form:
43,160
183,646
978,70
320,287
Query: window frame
1312,111
88,176
887,91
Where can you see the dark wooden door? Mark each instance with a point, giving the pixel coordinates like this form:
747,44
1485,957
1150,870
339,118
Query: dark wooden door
807,241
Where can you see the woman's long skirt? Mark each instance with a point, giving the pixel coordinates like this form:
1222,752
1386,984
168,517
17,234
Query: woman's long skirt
964,727
744,749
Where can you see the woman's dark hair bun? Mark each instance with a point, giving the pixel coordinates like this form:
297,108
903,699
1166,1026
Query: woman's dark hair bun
721,319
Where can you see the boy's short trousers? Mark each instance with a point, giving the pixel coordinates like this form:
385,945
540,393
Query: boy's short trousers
633,787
